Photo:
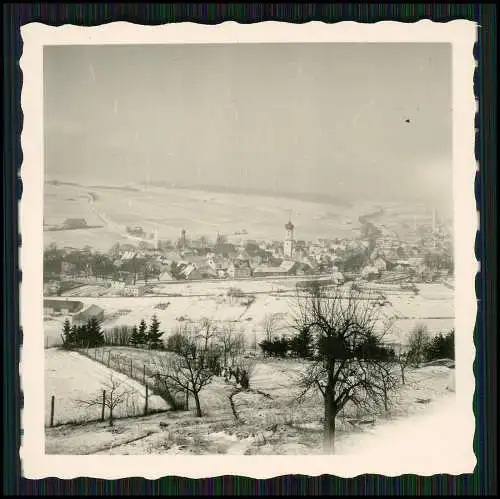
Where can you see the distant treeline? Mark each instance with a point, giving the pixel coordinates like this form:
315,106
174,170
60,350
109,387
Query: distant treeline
302,196
52,229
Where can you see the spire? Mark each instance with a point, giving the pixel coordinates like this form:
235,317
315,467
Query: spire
289,226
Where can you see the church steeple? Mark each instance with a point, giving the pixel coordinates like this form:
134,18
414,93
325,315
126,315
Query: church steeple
288,245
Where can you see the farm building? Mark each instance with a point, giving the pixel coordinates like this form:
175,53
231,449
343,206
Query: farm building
286,268
295,268
75,223
268,272
239,269
64,307
92,312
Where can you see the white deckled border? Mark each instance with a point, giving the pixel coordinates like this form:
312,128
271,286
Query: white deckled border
462,35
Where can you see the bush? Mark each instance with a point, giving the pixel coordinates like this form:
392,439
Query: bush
177,343
301,345
277,347
441,346
235,293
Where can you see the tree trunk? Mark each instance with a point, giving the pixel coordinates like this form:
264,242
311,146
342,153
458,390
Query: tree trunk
111,420
402,375
329,423
198,406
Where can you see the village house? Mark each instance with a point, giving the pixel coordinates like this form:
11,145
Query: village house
62,307
218,263
114,284
51,288
189,271
133,290
370,273
337,276
128,255
239,269
289,267
380,264
285,268
67,267
311,262
92,312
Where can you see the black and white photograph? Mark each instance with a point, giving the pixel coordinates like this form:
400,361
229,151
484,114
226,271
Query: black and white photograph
252,249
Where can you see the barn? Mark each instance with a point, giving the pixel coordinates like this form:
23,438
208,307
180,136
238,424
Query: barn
92,312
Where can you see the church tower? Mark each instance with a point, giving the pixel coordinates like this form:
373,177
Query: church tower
155,238
183,239
288,245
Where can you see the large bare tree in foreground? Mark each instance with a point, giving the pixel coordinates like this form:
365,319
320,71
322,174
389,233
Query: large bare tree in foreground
351,363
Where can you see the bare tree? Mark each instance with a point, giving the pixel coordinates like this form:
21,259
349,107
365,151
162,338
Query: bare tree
271,323
194,364
403,360
385,382
232,344
115,393
418,342
350,364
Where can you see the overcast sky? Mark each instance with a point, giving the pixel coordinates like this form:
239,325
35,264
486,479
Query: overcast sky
326,118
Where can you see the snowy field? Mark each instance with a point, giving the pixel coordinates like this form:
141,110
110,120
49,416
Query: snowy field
70,377
202,213
433,306
272,424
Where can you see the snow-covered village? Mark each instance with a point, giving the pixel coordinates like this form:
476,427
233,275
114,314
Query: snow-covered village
272,287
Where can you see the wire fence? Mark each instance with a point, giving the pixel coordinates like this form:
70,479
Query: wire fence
144,371
138,402
63,412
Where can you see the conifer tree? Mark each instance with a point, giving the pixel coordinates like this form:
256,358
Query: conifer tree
95,336
74,335
81,338
135,338
154,334
143,333
66,334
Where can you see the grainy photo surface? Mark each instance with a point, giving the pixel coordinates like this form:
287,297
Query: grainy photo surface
250,249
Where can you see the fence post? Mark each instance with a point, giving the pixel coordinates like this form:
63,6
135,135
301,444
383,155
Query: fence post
144,375
52,404
95,354
131,369
109,358
103,404
146,404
